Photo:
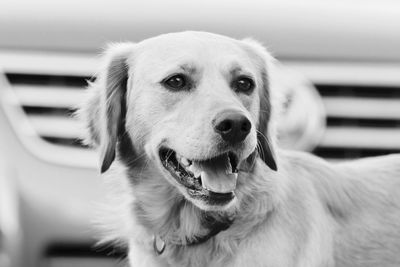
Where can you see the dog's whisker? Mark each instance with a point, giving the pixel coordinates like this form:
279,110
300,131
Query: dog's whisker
259,146
129,162
146,163
265,111
262,134
260,150
169,154
110,96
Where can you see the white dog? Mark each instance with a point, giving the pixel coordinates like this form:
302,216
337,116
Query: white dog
185,117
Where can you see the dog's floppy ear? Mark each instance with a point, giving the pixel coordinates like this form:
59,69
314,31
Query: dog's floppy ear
104,112
264,60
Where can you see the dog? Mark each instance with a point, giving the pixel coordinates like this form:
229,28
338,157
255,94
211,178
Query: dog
184,123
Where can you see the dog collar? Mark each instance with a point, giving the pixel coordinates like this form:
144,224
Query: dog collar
159,244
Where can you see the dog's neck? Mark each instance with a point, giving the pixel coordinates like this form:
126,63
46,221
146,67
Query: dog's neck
165,213
183,224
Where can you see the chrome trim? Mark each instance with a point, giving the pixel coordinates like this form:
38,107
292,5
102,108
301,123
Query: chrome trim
361,137
48,63
57,126
10,228
49,96
366,108
348,73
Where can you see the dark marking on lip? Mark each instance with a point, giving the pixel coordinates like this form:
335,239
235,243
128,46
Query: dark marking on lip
216,223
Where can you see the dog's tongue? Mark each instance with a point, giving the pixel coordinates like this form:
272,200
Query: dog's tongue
217,176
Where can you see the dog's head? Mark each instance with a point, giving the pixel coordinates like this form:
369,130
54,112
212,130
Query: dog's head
195,104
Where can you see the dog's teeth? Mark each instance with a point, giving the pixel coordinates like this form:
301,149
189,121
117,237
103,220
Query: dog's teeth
229,172
185,161
229,169
205,187
196,172
192,191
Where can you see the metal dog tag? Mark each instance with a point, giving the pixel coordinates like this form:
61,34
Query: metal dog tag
158,245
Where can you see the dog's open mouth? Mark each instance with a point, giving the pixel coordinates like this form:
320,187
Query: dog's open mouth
212,180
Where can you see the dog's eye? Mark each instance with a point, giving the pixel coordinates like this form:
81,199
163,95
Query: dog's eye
176,82
243,84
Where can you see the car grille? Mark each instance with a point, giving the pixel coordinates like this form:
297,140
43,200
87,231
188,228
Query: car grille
49,87
362,102
362,121
49,101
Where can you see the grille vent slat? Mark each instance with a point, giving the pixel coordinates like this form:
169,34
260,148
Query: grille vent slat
357,137
363,108
351,153
359,91
49,97
48,79
362,120
57,126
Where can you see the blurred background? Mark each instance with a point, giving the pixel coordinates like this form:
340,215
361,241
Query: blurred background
340,77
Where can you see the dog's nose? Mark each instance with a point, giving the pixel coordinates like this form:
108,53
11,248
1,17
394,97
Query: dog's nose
232,126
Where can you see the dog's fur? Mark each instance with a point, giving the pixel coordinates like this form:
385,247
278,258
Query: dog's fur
307,213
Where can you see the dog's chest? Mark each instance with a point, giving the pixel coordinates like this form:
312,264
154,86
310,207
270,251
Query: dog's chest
260,251
253,252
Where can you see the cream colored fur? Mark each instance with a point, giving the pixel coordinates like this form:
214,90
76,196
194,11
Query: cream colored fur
309,213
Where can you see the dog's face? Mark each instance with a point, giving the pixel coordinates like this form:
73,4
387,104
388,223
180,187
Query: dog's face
191,103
